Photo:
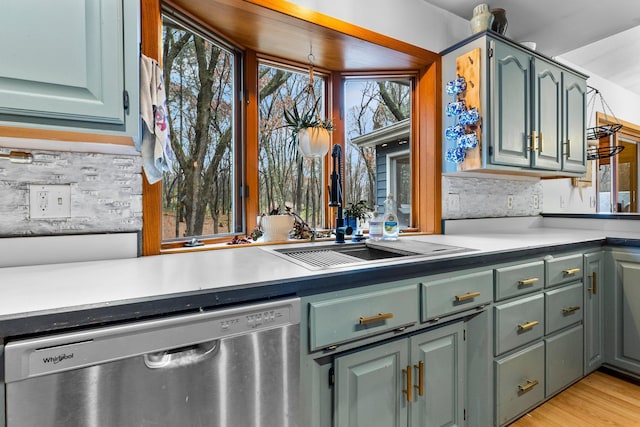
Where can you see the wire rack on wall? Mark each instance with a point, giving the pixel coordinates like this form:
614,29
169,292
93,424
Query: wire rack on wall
598,132
597,152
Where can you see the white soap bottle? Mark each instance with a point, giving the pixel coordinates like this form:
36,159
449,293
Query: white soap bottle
390,224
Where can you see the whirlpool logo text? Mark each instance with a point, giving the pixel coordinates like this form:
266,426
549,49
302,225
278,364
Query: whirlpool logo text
57,359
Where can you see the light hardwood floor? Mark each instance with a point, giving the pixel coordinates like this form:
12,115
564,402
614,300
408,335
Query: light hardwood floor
597,400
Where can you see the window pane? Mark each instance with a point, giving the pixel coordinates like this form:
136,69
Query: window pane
199,77
378,129
285,176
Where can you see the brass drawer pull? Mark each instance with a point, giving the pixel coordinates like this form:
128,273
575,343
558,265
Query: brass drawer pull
468,295
540,143
571,309
420,385
377,318
525,282
528,385
409,390
571,271
594,284
532,148
528,325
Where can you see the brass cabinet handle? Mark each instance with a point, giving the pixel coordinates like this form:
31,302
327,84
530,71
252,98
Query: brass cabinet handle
468,295
409,390
540,142
525,282
571,271
528,325
594,284
569,310
372,319
420,385
528,385
533,141
568,150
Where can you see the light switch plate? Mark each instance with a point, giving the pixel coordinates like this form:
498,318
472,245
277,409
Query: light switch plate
49,201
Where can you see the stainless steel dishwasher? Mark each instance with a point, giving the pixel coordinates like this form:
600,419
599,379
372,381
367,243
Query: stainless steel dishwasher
235,367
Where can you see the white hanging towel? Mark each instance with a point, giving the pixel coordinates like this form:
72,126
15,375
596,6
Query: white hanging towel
157,155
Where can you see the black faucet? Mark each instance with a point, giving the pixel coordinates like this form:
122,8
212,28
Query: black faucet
335,190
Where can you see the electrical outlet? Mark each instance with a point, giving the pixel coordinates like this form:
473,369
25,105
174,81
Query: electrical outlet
510,201
50,201
454,202
535,201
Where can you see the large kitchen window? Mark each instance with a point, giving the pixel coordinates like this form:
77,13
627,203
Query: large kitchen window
228,82
285,177
198,196
378,147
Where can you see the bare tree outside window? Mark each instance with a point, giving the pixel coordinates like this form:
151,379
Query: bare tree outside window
285,177
199,81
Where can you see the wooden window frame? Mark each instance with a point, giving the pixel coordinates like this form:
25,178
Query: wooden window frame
425,128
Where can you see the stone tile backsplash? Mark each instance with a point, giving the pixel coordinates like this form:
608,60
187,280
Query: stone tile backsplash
474,197
106,193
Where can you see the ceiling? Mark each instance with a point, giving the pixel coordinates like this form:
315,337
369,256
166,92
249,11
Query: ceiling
600,36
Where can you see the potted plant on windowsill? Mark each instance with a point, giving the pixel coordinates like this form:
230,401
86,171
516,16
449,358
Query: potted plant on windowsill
280,226
358,211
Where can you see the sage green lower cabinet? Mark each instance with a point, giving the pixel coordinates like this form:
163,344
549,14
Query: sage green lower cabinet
416,381
593,312
519,382
564,355
622,307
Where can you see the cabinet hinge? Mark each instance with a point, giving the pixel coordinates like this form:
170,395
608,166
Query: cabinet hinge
464,414
332,377
490,52
125,101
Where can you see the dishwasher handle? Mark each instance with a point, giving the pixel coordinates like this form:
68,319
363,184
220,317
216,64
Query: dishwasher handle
182,356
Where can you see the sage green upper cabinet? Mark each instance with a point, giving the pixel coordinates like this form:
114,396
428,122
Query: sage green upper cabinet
546,135
574,123
532,109
511,71
70,64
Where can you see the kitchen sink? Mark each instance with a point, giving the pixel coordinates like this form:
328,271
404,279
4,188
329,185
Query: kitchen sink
320,256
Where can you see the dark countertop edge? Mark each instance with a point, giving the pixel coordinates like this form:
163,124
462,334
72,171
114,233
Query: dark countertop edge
623,216
76,318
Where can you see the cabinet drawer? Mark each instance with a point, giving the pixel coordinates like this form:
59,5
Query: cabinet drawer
563,307
518,322
564,359
519,382
563,269
519,279
442,297
349,318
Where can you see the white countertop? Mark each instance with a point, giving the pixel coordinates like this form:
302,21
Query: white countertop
86,285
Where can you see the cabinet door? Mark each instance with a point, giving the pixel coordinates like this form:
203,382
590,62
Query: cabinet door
547,89
623,312
574,155
65,60
510,71
369,387
593,322
437,358
564,357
